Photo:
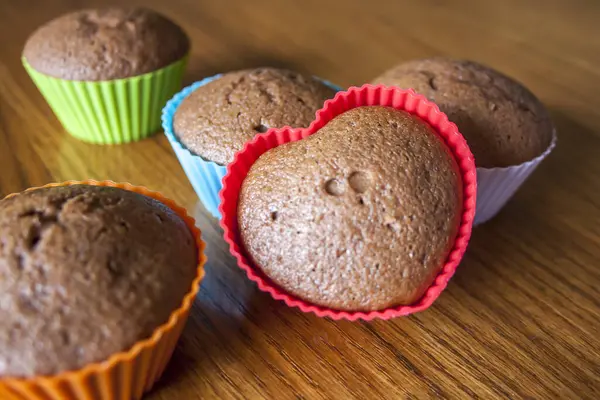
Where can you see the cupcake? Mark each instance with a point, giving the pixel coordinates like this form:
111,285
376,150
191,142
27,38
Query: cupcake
208,122
359,216
94,277
106,73
506,126
365,214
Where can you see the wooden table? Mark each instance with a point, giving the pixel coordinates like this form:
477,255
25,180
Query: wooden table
521,317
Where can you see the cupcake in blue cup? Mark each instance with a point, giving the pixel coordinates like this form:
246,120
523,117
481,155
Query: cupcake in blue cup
209,121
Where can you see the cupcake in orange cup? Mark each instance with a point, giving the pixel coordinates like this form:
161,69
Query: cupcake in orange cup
98,281
365,214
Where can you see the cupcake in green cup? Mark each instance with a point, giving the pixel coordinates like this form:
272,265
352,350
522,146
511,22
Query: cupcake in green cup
107,73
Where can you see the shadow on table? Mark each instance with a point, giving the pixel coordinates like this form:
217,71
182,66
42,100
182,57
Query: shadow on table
226,301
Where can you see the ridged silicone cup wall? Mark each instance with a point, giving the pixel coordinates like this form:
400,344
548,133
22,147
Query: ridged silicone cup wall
110,112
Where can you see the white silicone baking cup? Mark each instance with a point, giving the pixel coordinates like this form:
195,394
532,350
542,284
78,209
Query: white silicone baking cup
495,186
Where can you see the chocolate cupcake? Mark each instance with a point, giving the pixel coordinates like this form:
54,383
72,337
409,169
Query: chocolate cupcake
105,44
87,272
503,122
127,62
217,119
506,126
359,216
211,120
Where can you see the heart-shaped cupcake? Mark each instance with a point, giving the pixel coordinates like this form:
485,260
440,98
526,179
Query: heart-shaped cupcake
366,219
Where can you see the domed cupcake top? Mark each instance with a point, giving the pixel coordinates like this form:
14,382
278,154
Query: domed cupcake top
85,272
105,44
361,215
218,118
503,122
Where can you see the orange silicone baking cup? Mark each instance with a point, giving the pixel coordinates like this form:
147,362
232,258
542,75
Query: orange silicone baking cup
128,374
367,95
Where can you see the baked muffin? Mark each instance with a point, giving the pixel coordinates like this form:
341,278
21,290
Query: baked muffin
106,73
218,118
359,216
503,122
105,44
86,272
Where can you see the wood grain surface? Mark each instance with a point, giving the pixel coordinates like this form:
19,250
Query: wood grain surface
520,319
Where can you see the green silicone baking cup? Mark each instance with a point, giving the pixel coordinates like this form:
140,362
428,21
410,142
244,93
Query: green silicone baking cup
111,112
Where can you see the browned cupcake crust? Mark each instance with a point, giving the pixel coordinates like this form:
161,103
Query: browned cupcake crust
217,119
85,272
105,44
359,216
503,122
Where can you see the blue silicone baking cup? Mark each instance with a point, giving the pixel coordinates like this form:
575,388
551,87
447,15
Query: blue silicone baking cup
205,176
